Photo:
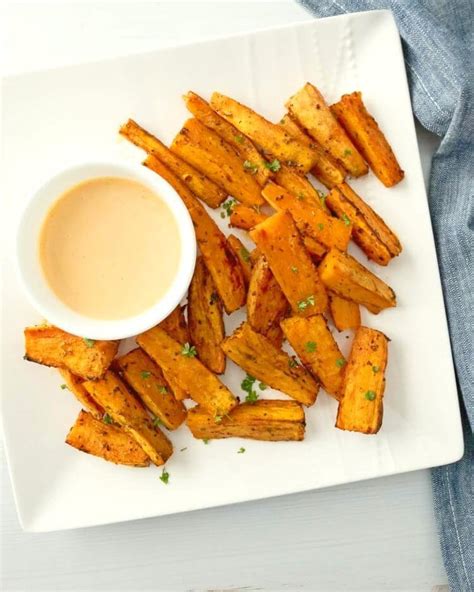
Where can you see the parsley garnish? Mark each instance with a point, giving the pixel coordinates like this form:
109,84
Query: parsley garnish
241,450
145,374
294,269
370,395
322,199
347,152
247,386
218,418
163,390
205,440
239,139
321,226
292,363
340,362
375,369
64,386
156,422
262,386
250,167
303,304
165,476
228,206
89,342
107,419
300,196
274,166
345,219
311,346
183,449
245,254
188,350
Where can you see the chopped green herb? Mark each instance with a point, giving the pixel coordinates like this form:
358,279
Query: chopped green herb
205,440
89,342
64,386
188,350
252,397
322,199
163,390
241,450
347,152
346,219
292,363
274,166
165,476
303,304
218,418
300,196
321,226
247,385
245,254
340,362
375,369
370,395
183,449
145,374
228,206
107,419
239,139
222,214
311,346
262,386
294,269
250,167
156,422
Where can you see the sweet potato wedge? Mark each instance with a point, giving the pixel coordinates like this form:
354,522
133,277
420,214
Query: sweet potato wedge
261,359
147,380
262,420
310,218
84,357
220,260
361,405
345,313
345,276
200,185
245,218
211,155
107,441
206,324
240,143
193,377
279,240
242,254
314,248
369,139
296,184
112,394
311,111
326,169
176,326
313,342
266,303
74,384
271,138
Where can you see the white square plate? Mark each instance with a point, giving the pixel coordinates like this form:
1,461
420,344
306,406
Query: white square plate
71,114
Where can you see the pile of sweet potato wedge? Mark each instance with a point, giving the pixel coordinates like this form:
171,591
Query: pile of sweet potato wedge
297,282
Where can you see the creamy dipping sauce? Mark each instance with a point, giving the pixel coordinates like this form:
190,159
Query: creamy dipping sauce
109,248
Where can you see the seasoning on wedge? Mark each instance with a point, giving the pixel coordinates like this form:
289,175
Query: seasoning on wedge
313,342
261,359
108,441
278,239
345,313
182,363
51,346
148,382
125,409
242,254
245,218
220,260
369,139
361,405
345,276
74,384
262,420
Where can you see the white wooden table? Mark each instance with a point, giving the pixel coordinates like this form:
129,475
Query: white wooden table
370,536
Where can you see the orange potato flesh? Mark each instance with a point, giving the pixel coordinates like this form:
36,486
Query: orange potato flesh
74,384
345,313
245,218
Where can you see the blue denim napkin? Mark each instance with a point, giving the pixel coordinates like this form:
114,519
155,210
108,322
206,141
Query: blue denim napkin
437,38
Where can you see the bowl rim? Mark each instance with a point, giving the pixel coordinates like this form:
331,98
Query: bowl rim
34,282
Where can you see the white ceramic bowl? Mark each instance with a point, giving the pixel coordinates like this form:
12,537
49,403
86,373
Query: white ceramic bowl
35,284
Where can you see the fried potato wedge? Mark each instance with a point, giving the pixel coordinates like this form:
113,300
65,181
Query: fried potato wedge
202,186
206,324
127,411
74,384
271,138
296,184
266,303
368,230
311,111
313,342
310,218
314,248
242,254
106,441
211,155
369,139
220,259
176,326
193,377
326,169
261,359
240,143
345,313
262,420
147,380
245,218
84,357
361,405
280,242
345,276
